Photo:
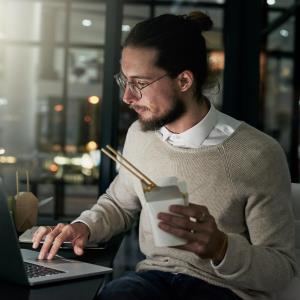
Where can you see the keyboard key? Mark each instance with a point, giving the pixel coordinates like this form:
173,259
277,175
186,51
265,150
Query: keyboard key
34,270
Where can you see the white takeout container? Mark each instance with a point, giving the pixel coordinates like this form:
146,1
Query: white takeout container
159,199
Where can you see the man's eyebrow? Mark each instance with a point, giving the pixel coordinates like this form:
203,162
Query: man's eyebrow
138,77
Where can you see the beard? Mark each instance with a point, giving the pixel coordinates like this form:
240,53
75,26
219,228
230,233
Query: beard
176,111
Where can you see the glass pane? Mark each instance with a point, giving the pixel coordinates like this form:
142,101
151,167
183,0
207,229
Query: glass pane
29,20
19,94
49,121
87,23
278,99
281,39
133,14
280,3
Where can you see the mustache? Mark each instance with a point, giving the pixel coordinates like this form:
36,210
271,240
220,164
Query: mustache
133,106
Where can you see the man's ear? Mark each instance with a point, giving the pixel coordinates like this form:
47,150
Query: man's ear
185,80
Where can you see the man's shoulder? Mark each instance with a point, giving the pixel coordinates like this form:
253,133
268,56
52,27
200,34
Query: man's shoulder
249,137
253,157
251,147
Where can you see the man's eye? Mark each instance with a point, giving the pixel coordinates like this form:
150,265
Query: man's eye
141,84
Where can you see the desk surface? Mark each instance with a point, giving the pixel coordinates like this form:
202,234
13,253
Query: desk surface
75,289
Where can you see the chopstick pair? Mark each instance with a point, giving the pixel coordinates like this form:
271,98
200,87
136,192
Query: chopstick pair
118,157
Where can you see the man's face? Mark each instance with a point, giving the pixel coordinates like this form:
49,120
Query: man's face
160,103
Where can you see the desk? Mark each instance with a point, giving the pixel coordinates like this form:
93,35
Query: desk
79,289
85,289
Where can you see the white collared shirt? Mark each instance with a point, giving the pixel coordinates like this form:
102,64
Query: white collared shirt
213,129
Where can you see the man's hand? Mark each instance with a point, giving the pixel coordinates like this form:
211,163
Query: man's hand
194,224
77,233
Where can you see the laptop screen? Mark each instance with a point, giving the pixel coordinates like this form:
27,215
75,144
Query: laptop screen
11,262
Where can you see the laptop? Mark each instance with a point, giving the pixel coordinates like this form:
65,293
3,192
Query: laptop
22,266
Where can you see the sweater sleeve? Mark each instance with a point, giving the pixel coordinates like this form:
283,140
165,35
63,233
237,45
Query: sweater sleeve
263,258
115,210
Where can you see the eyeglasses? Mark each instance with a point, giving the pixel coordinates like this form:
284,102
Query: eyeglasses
134,87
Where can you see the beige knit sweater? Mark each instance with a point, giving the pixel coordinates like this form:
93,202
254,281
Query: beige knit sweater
245,184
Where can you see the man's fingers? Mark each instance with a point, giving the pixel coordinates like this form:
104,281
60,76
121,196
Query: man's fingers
181,222
78,245
53,241
181,233
46,246
192,210
55,237
56,244
38,236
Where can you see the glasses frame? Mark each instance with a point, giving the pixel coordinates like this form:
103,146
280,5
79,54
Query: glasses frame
133,87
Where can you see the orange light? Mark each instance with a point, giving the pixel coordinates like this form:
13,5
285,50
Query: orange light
58,107
217,60
94,99
56,147
87,119
53,168
70,148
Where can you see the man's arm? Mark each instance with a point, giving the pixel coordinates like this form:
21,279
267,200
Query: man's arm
115,211
263,258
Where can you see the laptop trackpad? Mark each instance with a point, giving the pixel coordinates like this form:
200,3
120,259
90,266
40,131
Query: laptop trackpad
30,255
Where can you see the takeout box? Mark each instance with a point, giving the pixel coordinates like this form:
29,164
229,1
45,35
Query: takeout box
158,196
159,199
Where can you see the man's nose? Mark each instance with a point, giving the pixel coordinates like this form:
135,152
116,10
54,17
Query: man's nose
129,97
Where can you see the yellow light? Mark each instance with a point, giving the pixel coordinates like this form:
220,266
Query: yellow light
92,145
2,151
11,160
8,159
94,99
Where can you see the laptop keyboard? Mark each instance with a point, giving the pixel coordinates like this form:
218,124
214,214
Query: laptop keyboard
34,270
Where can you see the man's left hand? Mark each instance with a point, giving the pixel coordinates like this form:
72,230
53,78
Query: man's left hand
195,224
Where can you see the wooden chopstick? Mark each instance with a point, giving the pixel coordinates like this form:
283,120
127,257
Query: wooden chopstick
115,156
118,157
131,166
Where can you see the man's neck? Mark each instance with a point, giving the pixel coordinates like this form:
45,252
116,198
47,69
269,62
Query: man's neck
194,114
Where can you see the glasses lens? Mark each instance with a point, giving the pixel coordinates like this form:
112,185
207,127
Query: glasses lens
122,83
135,90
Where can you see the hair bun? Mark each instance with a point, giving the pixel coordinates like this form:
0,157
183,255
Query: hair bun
203,20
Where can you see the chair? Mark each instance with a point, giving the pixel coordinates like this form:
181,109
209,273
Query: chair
292,291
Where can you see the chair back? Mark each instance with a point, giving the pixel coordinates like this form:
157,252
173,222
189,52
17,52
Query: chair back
292,291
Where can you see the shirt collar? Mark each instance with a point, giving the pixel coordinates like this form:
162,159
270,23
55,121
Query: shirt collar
194,136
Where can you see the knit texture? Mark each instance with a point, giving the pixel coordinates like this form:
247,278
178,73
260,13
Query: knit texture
245,184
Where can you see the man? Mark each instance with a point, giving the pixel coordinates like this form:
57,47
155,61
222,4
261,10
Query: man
238,225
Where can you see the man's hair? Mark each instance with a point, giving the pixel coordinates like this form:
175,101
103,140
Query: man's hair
179,43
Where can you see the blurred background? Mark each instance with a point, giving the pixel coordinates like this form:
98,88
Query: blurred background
59,103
